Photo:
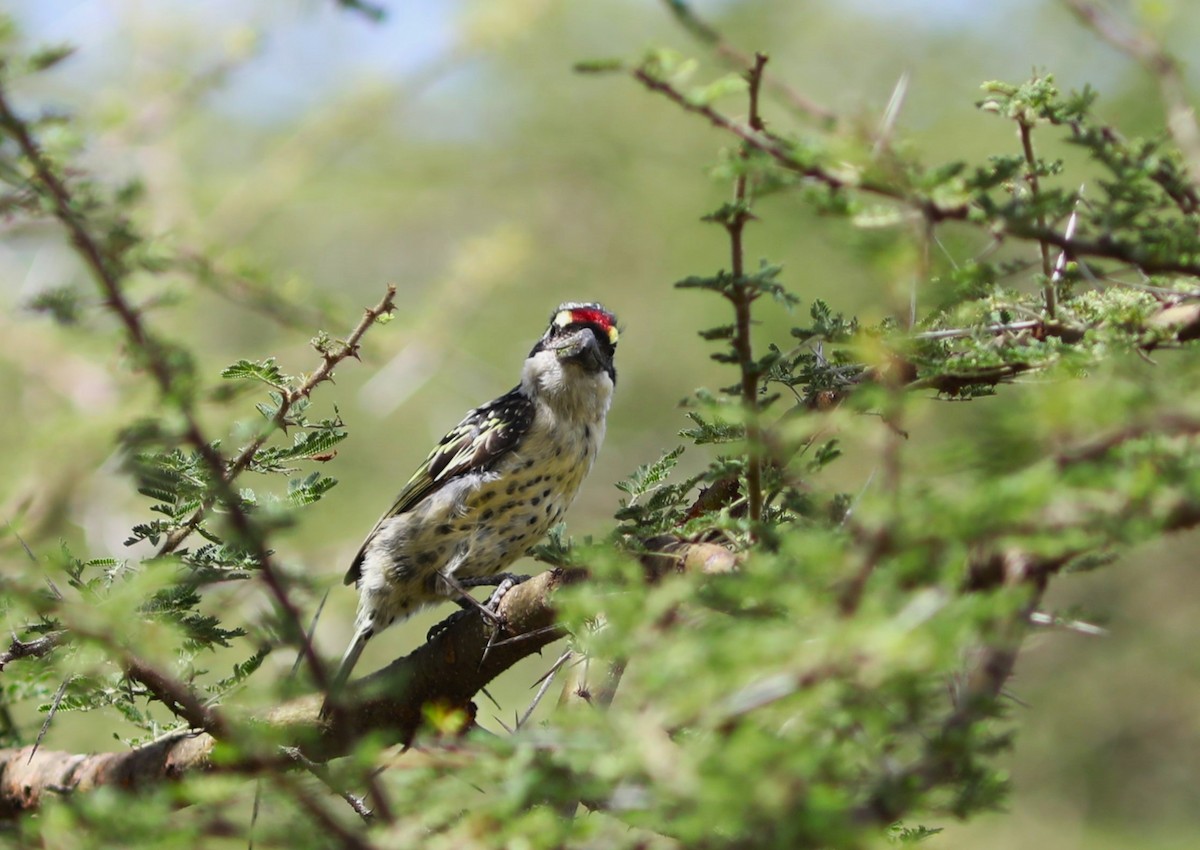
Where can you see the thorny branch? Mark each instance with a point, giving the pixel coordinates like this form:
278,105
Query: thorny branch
709,35
1031,165
35,648
848,178
324,372
109,271
742,296
1181,117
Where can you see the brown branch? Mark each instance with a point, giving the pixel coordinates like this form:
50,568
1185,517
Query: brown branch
1098,447
778,150
1031,164
1181,117
35,648
447,671
708,35
177,697
1101,247
109,273
975,699
742,296
1175,323
324,372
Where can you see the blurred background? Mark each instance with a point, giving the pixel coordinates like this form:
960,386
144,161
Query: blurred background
450,149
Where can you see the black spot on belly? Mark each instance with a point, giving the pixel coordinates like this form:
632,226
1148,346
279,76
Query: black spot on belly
426,559
546,493
487,497
535,501
527,464
587,432
444,528
488,514
510,489
532,521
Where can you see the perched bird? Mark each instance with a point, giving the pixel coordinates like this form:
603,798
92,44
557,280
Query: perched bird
496,483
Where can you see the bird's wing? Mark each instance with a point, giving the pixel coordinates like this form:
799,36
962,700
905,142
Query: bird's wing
473,445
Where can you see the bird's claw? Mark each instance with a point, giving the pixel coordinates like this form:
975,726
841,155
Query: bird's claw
489,610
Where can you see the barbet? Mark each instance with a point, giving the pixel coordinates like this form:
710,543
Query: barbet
496,483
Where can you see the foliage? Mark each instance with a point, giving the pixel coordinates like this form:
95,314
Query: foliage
846,683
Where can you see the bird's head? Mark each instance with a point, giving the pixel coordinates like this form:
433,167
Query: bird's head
574,358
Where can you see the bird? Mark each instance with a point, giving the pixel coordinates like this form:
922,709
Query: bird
495,484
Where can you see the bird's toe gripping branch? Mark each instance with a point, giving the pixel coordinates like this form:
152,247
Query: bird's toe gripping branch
503,582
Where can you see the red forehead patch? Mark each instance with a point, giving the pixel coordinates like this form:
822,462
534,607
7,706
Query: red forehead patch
588,316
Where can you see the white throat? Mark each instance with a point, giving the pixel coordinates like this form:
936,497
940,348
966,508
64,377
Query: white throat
572,392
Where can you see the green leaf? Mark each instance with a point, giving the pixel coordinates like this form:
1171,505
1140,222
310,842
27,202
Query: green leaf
257,370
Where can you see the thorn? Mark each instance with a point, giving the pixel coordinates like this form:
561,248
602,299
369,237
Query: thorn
1061,262
891,113
488,694
58,698
562,659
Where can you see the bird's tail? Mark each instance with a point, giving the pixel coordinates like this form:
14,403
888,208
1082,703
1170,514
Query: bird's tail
353,651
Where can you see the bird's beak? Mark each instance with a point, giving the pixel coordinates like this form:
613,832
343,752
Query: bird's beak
582,348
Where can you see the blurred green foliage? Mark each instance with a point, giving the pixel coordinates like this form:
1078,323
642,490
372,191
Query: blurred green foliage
489,182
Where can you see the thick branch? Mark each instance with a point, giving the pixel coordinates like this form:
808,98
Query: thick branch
447,671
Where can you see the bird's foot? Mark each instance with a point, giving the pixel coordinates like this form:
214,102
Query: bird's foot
503,582
496,580
444,625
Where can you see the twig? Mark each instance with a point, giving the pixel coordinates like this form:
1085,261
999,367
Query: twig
1181,117
1102,247
706,34
324,372
778,150
108,273
321,772
332,827
940,762
955,333
177,697
35,648
1048,285
741,295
